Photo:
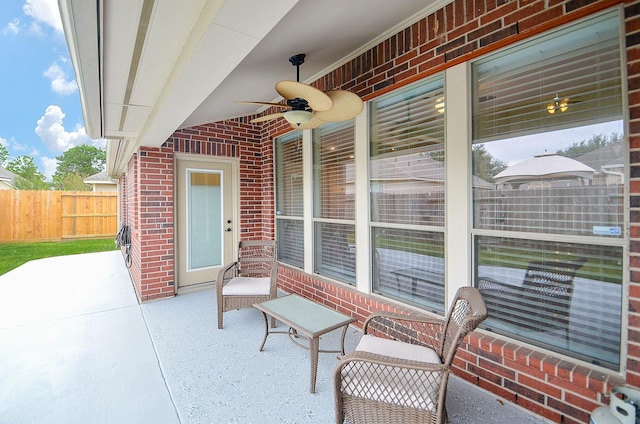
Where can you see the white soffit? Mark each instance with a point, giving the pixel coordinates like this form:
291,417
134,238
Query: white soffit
207,59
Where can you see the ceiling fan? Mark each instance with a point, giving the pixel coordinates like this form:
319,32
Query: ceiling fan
307,107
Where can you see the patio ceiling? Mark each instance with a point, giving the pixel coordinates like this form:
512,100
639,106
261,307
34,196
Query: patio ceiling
148,67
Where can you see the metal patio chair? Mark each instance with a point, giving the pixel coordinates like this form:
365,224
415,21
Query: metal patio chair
400,369
251,279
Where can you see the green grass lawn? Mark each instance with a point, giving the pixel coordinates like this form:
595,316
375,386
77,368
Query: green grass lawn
15,254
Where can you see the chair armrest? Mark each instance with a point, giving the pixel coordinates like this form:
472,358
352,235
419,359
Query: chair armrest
226,274
415,329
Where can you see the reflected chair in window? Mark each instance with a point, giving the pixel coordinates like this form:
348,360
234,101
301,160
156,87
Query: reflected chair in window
400,369
541,303
252,279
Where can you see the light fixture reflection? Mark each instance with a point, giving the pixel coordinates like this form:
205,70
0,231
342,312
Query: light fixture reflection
558,105
439,105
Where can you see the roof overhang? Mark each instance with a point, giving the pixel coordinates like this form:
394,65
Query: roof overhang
148,67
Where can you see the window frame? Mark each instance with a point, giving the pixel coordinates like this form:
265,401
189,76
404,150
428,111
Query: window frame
343,268
589,240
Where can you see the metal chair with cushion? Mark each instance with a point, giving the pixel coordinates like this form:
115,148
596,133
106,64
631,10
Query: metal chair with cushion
400,369
251,279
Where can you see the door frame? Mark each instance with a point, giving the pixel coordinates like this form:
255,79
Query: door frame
235,226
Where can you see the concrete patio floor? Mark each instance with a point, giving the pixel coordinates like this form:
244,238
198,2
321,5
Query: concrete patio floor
76,347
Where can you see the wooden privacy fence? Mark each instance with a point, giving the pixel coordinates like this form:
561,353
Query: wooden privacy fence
56,215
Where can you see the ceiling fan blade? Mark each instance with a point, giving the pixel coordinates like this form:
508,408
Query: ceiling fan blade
266,117
346,105
263,103
317,100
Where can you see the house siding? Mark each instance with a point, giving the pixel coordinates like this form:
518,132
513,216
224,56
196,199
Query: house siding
555,388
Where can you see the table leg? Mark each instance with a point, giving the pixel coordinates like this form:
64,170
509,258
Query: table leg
266,330
314,347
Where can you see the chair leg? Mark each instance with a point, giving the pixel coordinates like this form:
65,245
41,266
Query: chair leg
219,319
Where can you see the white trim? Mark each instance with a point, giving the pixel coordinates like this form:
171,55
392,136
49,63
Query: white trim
307,190
458,179
362,212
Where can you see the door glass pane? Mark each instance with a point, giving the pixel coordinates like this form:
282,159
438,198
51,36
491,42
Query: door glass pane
205,245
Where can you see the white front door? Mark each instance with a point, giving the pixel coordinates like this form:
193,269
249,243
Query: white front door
206,198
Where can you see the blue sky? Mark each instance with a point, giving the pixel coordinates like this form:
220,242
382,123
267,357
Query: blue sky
40,114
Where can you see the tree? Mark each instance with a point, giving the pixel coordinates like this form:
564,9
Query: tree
82,161
485,166
72,182
4,155
597,141
28,176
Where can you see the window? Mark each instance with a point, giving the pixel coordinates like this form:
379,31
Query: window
548,208
334,201
407,194
289,199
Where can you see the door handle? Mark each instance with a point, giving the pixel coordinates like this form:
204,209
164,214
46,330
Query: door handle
228,230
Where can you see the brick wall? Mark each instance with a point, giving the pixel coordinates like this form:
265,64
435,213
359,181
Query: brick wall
155,222
131,217
149,196
632,29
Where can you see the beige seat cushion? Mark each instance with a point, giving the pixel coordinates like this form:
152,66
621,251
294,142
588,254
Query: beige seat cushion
247,286
393,384
397,349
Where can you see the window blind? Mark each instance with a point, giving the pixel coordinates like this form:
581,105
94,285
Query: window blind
289,199
334,172
289,194
580,67
409,265
334,201
407,155
565,296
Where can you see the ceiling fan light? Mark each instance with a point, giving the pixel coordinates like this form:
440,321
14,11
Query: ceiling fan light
298,117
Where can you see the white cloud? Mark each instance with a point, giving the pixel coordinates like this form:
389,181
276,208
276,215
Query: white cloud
12,27
54,136
45,11
13,146
100,142
49,166
59,82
